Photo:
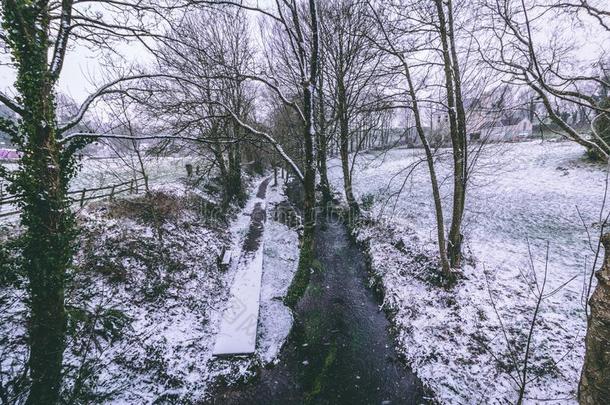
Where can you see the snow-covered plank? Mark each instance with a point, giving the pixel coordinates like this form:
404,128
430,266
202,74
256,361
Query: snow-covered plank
237,334
226,257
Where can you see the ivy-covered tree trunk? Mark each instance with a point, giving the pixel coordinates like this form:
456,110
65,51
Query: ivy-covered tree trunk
42,180
309,203
594,385
300,281
309,87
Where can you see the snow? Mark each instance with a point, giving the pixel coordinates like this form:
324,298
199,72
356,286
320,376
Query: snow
261,281
522,197
159,318
237,334
101,172
280,261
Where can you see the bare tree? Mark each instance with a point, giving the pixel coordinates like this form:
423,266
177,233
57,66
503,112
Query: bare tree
390,41
296,24
457,124
546,65
352,69
203,76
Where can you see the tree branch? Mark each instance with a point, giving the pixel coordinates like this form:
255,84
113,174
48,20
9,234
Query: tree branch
266,136
7,101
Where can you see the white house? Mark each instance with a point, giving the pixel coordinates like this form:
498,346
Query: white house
485,121
504,129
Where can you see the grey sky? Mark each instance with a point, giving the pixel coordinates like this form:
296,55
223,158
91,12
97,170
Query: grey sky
82,67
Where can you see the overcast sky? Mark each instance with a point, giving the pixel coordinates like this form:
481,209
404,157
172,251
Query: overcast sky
82,67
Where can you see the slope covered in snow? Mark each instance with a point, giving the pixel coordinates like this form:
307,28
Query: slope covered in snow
523,197
146,297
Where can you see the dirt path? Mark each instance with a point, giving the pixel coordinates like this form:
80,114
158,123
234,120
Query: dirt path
340,350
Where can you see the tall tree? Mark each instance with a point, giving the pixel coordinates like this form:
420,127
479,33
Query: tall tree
38,35
457,124
392,40
352,71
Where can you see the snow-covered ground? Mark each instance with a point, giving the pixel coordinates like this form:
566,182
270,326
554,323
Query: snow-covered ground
523,196
102,172
280,261
153,295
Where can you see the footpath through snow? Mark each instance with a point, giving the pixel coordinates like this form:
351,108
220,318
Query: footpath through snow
237,334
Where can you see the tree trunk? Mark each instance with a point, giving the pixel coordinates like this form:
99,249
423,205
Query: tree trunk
142,171
594,385
48,240
457,126
225,172
344,143
42,178
322,144
309,180
47,252
438,206
234,184
461,164
309,203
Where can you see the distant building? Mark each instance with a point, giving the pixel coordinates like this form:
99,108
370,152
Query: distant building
486,120
504,129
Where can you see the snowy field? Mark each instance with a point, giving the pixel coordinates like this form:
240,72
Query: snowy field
100,172
96,173
523,197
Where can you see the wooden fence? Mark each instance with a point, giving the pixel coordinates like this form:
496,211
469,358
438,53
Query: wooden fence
77,197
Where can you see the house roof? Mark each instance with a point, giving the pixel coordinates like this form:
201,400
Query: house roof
504,122
509,121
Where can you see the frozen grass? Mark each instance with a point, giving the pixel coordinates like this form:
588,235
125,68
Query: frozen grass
523,196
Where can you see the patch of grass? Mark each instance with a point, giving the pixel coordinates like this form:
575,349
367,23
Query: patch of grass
321,377
158,207
148,208
301,278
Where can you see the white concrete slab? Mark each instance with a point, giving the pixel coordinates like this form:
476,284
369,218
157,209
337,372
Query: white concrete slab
238,327
237,335
227,257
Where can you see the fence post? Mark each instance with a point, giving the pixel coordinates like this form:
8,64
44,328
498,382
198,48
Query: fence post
112,192
136,180
82,197
131,187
